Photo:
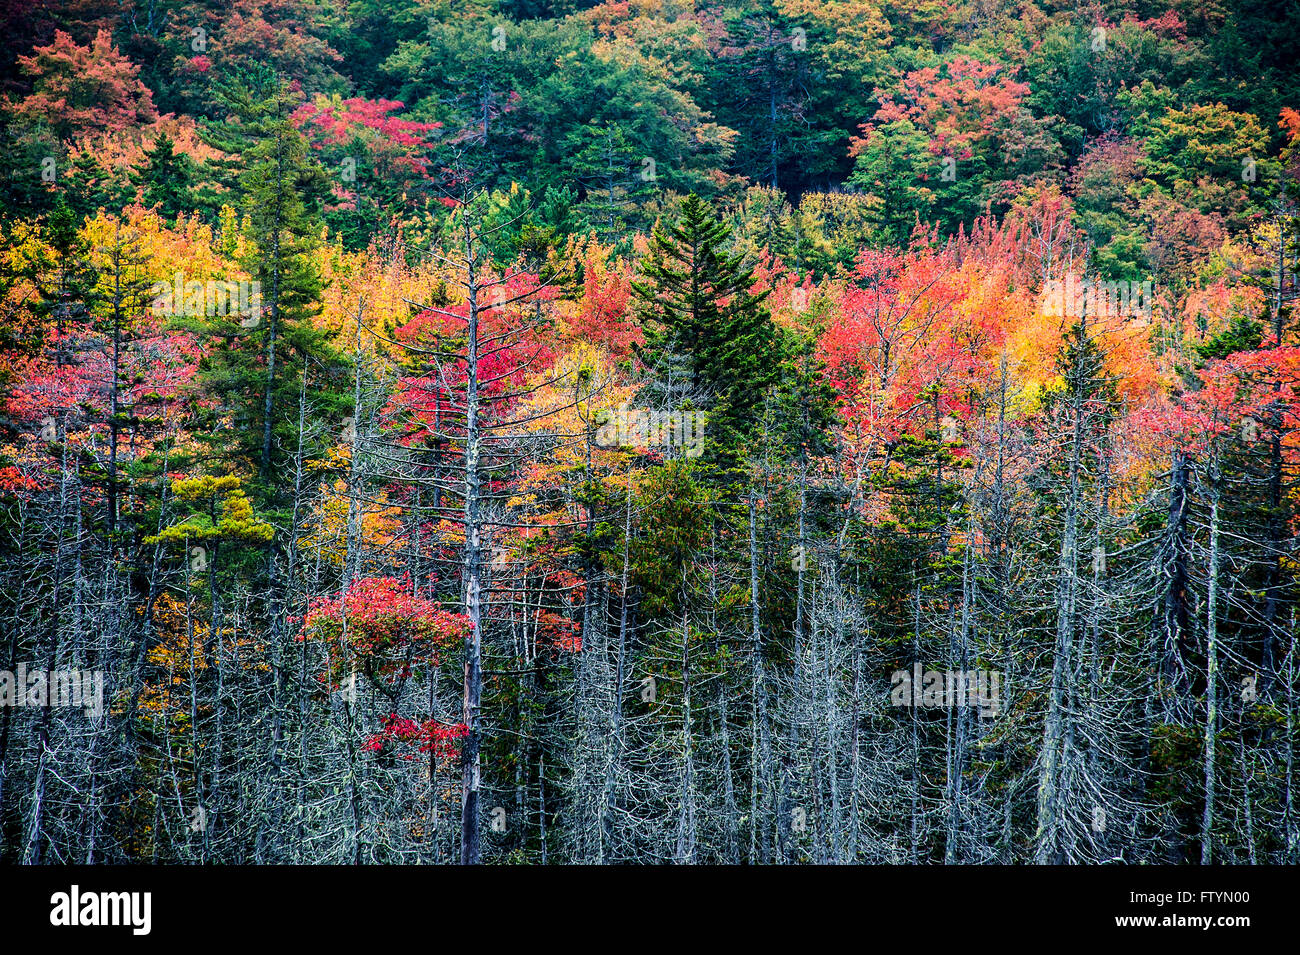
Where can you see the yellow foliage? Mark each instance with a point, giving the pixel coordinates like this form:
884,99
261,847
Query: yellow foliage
327,528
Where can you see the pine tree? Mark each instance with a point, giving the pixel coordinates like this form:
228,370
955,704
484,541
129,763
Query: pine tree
261,362
164,177
710,340
613,177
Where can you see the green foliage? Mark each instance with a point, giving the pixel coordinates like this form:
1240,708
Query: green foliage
165,178
262,357
1243,334
709,338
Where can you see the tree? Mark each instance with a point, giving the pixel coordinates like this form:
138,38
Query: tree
709,339
164,178
378,160
267,344
1080,417
952,135
78,89
477,355
765,94
611,172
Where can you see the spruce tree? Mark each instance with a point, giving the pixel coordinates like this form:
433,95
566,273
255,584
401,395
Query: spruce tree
609,166
164,178
260,366
710,341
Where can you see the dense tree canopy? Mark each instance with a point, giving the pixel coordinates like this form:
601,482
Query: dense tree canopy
751,431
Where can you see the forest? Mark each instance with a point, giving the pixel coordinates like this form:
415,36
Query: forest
744,432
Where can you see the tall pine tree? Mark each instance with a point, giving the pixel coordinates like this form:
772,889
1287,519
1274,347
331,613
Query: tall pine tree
710,340
260,366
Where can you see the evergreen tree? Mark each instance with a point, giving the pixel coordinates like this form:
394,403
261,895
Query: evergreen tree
259,369
614,180
710,340
164,178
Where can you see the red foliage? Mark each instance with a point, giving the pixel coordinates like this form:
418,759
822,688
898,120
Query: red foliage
604,316
15,482
440,739
503,368
887,309
558,631
389,630
79,90
1248,391
395,145
958,104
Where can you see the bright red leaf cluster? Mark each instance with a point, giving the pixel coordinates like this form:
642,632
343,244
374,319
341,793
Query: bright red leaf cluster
440,739
388,629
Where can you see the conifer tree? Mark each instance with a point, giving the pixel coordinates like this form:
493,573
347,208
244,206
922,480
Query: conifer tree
164,177
710,340
260,363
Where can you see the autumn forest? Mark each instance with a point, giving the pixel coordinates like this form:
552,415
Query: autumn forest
649,431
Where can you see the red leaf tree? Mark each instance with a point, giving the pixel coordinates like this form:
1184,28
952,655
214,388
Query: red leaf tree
381,629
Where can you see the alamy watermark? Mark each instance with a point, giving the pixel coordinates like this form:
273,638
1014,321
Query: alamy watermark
644,427
211,298
84,688
1074,297
948,689
75,908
